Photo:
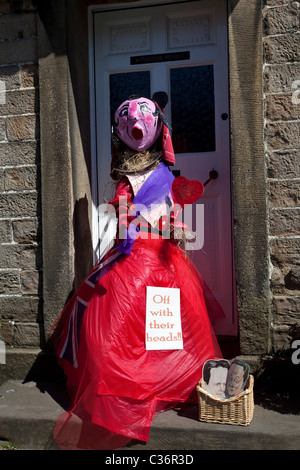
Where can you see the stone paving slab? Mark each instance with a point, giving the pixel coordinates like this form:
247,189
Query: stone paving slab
28,412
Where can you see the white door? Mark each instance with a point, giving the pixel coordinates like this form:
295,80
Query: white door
181,49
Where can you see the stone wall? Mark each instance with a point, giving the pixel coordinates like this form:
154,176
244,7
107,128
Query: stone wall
20,215
282,143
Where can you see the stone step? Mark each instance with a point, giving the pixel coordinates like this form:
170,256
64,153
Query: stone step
28,412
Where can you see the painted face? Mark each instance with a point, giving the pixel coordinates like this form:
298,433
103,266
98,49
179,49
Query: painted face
217,382
136,123
235,380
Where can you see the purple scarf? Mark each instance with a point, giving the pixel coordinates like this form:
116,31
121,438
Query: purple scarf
154,191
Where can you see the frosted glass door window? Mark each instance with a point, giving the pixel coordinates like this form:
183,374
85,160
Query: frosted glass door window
193,109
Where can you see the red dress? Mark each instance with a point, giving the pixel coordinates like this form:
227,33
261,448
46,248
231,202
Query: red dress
116,385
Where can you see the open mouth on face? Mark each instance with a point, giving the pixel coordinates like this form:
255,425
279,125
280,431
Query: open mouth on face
137,133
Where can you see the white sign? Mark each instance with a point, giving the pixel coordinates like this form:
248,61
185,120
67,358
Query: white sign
163,320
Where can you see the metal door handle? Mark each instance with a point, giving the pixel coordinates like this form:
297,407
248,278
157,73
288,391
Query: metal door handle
213,175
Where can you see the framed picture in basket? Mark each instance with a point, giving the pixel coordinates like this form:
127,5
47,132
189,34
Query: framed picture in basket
238,375
214,373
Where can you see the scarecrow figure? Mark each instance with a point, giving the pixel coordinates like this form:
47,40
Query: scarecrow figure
116,384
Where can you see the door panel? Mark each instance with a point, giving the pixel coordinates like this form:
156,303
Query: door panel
180,49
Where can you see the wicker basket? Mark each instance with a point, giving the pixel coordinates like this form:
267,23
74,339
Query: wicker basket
237,410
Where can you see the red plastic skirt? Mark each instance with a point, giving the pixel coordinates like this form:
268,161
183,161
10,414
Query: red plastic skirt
116,386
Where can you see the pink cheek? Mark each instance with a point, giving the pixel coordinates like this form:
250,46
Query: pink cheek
122,124
150,122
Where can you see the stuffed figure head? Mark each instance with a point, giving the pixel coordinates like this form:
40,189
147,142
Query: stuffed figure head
137,123
141,137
